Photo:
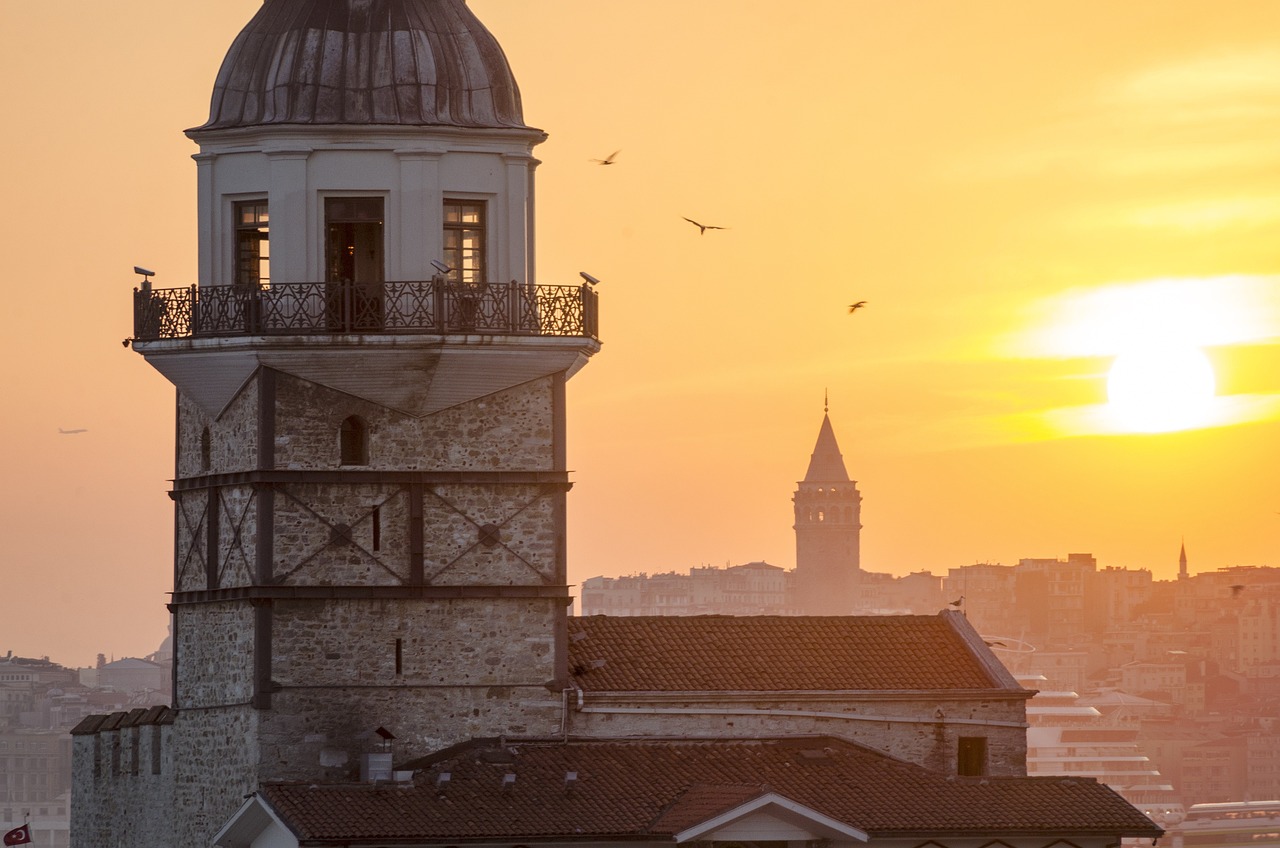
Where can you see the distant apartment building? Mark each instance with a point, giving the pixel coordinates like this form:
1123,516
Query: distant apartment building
1165,681
754,588
35,767
1053,593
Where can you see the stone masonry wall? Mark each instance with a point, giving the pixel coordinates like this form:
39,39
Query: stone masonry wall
907,728
475,667
123,774
213,655
216,755
233,435
510,430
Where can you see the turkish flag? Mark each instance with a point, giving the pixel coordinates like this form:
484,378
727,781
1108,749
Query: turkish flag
18,836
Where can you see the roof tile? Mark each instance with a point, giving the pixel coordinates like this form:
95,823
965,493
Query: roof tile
655,789
772,653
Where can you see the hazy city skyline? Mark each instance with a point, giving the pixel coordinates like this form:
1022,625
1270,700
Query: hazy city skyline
1018,192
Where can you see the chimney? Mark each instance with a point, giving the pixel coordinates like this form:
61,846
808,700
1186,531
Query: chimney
375,766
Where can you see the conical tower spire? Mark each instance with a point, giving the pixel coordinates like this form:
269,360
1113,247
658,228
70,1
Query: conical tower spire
826,465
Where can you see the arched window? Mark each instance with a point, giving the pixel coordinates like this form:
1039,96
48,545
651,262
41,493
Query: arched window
206,450
353,441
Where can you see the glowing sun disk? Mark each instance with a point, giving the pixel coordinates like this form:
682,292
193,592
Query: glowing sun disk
1161,387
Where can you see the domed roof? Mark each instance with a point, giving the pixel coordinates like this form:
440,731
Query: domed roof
399,62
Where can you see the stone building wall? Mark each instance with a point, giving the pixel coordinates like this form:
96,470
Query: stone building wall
213,655
507,431
466,667
122,771
921,729
233,435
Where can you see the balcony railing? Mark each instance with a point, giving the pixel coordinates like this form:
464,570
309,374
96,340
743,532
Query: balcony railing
431,307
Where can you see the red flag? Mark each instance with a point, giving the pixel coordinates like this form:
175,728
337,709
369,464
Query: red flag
18,836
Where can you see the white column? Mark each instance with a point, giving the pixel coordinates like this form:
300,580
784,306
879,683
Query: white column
530,217
207,203
513,256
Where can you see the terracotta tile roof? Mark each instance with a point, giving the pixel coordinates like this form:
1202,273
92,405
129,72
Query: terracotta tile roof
655,789
777,653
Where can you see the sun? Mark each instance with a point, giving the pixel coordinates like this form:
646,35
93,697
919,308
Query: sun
1161,387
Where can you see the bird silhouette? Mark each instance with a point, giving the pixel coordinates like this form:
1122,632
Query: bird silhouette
993,644
608,160
1236,590
702,228
957,602
854,307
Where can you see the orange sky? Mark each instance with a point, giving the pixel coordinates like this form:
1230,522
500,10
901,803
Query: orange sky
1017,189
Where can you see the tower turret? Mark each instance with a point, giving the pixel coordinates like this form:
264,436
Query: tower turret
370,487
828,525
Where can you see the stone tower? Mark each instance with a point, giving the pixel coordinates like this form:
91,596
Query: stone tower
828,512
369,499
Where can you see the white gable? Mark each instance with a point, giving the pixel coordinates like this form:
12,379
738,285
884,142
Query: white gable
771,817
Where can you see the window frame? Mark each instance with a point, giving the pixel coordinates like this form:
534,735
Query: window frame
468,265
249,240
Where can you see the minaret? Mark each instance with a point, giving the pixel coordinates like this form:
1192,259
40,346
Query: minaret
369,499
1182,562
828,524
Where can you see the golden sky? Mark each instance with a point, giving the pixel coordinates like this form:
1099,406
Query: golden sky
1022,192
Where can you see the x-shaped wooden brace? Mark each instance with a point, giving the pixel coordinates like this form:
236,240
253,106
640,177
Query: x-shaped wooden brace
486,534
338,533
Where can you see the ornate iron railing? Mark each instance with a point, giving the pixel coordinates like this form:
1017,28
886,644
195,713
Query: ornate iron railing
379,308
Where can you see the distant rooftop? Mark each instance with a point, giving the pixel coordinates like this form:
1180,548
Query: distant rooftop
781,653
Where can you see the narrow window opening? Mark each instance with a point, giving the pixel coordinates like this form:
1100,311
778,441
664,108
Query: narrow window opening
377,528
971,756
253,252
399,657
155,749
206,450
353,442
135,750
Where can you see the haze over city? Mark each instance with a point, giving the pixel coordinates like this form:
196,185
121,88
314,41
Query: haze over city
1021,194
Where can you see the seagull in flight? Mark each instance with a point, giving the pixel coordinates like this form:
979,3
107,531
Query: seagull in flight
608,160
854,307
63,432
702,228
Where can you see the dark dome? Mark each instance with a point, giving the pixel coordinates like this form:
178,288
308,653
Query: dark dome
406,62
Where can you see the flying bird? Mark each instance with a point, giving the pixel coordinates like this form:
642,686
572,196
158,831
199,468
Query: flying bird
854,307
1236,590
608,160
63,432
702,228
